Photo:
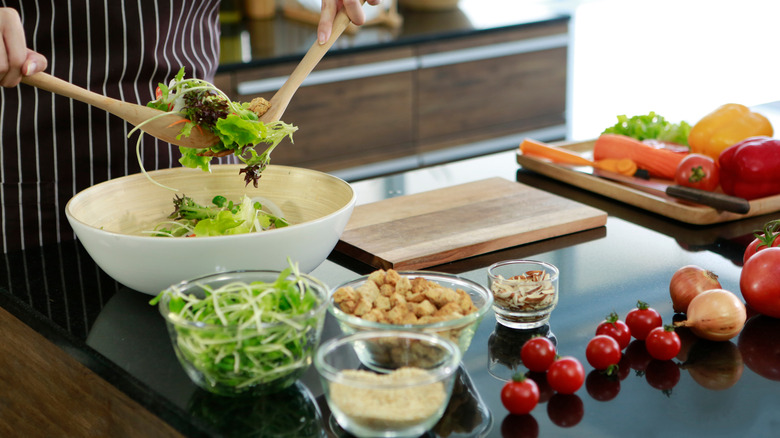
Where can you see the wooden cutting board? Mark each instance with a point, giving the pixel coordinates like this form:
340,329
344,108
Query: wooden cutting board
427,229
661,204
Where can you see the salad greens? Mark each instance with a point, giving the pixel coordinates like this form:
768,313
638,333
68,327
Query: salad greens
651,127
244,334
223,218
204,106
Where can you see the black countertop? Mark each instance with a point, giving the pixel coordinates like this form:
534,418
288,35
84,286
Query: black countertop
251,43
62,294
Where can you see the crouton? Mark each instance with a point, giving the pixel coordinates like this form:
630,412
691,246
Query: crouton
449,309
382,303
403,285
397,300
363,306
441,296
392,277
387,289
375,315
259,106
378,277
424,308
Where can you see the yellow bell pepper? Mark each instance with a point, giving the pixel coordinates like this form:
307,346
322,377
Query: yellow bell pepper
726,126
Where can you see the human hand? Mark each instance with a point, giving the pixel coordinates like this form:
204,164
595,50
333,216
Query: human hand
16,60
329,9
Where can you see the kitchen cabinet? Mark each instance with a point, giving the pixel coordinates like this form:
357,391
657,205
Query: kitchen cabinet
419,101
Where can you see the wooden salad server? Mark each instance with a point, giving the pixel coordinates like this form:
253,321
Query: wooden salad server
282,98
134,114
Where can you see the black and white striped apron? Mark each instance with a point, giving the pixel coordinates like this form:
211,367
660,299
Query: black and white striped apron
53,147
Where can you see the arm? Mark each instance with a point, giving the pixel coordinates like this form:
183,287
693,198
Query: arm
329,9
16,60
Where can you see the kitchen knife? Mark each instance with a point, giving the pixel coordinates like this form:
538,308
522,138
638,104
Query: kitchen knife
719,201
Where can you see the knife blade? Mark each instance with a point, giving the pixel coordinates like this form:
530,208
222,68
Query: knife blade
719,201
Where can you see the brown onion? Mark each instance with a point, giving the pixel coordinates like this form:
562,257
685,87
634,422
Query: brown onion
688,282
716,314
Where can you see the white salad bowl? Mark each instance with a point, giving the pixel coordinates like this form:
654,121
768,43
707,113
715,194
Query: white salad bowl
109,220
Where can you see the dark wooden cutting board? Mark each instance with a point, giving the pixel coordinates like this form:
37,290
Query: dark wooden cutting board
427,229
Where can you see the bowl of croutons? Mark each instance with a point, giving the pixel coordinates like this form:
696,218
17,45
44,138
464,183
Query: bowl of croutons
418,301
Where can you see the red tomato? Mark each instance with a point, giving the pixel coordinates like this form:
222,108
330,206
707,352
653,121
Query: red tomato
157,93
759,283
698,171
768,239
538,354
603,352
520,395
614,327
566,375
642,319
663,343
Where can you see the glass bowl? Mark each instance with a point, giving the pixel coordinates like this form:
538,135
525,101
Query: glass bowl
387,383
525,292
459,330
239,351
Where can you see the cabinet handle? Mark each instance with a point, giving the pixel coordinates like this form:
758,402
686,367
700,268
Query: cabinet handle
411,63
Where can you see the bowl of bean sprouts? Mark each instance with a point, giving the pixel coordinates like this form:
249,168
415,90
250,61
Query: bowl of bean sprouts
245,332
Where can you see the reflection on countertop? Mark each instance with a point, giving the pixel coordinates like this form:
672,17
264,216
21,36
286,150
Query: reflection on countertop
250,43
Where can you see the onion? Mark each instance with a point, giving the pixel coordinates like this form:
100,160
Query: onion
716,314
688,282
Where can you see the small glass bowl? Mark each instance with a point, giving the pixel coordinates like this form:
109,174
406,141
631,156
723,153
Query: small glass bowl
387,383
521,300
208,352
460,330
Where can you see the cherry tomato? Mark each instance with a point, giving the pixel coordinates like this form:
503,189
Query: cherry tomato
758,282
698,171
613,326
642,319
603,352
663,343
767,238
566,375
565,410
662,375
157,93
538,354
758,244
520,395
602,386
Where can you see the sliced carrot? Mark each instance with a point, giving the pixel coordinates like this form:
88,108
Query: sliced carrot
177,122
552,153
625,166
660,163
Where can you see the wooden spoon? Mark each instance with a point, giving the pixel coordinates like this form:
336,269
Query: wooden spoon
282,98
161,127
284,94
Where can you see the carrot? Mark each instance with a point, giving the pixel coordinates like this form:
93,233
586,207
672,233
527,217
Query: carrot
660,163
625,166
552,153
177,122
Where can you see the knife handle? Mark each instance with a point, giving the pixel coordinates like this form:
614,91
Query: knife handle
718,201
